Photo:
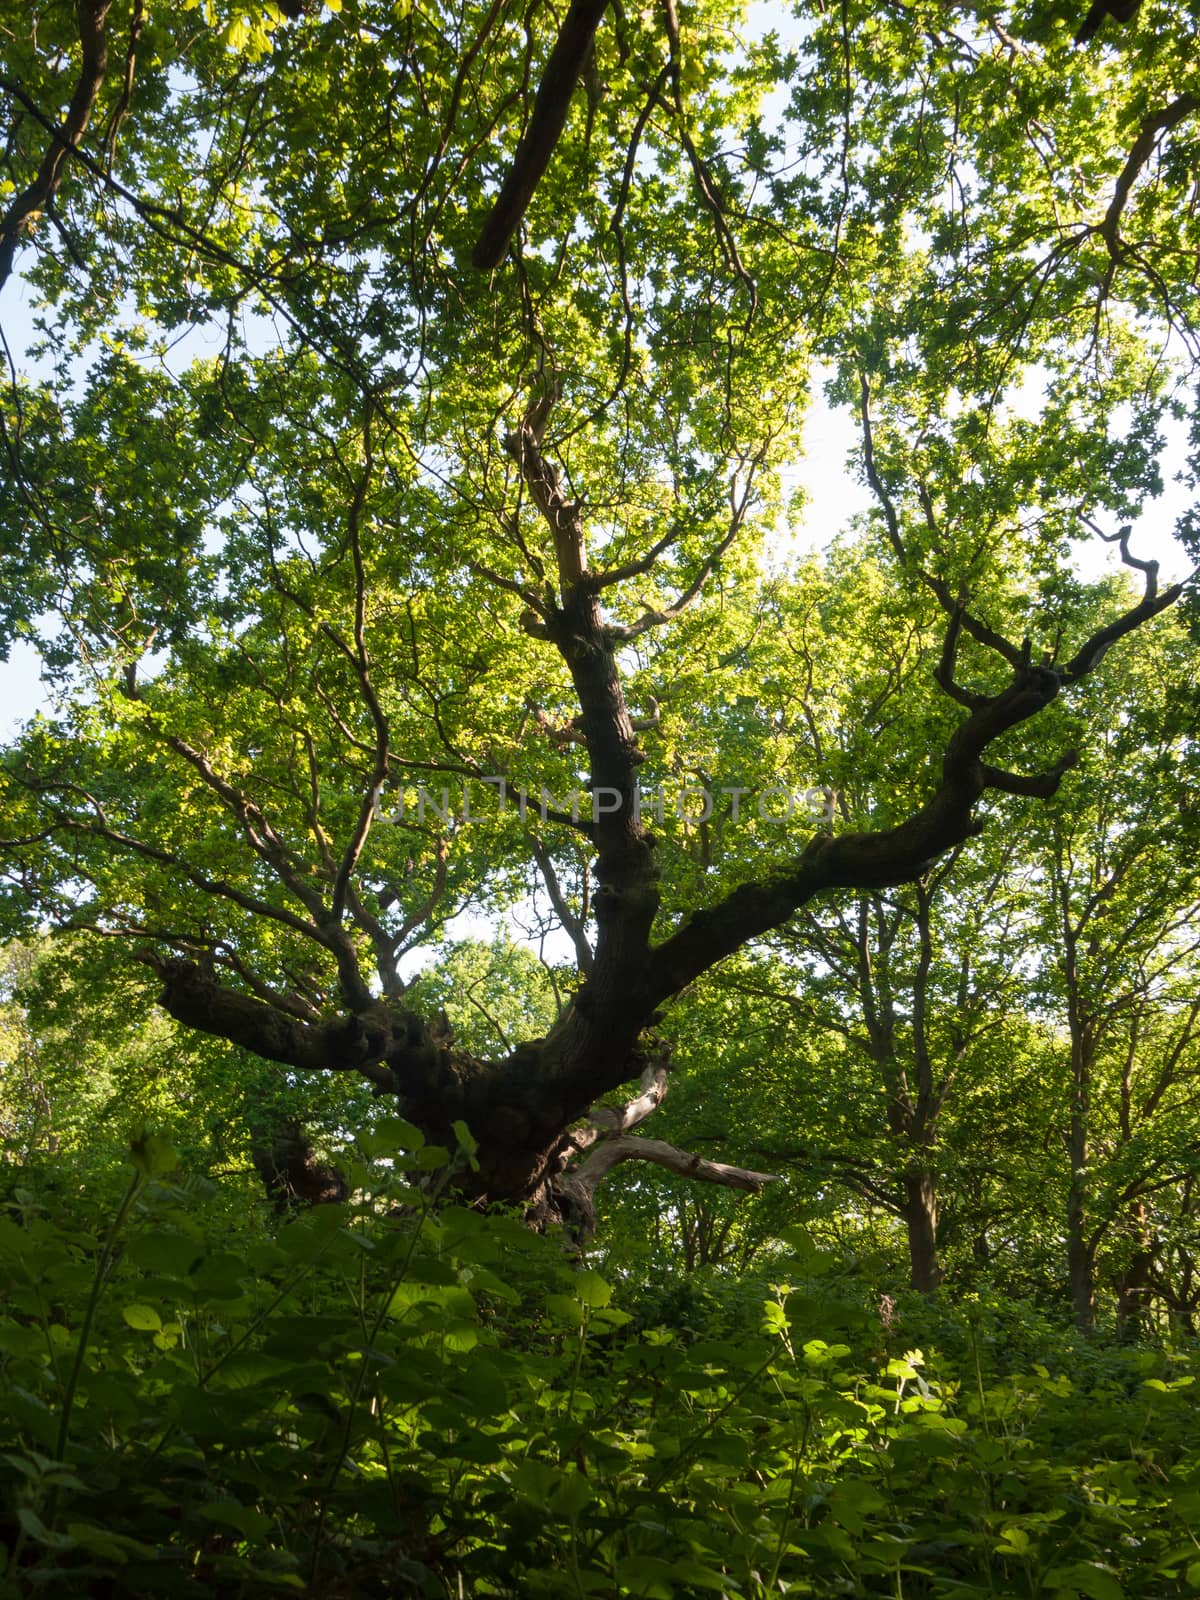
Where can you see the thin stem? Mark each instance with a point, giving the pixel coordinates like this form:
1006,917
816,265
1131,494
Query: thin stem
85,1331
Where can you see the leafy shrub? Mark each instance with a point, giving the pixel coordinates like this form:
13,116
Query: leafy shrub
435,1402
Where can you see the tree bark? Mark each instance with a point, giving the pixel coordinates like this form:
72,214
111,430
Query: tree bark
1134,1294
26,207
1081,1267
291,1174
1081,1029
921,1222
1081,1255
547,120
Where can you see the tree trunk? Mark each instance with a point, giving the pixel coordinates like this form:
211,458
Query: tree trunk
523,1109
1134,1294
1081,1266
1081,1251
291,1174
921,1220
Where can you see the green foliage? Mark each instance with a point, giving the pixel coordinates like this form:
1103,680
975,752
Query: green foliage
492,995
84,1067
262,348
432,1402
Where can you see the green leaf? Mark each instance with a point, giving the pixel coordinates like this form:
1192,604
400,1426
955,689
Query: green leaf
109,1546
572,1495
144,1318
591,1289
431,1158
1014,1541
152,1155
166,1253
37,1530
232,1514
1096,1582
389,1134
564,1308
460,1336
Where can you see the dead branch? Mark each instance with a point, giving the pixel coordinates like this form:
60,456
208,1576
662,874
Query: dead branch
632,1147
652,1093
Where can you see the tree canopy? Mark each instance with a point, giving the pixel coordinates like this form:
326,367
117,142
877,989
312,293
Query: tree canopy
399,501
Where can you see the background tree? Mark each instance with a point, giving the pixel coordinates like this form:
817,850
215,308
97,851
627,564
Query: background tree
1120,977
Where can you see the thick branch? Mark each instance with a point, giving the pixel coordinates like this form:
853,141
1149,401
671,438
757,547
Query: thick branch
562,514
943,673
1119,10
593,1036
389,1046
195,998
362,667
1035,785
631,1147
547,120
91,16
1090,655
641,565
1144,146
586,646
896,855
954,608
858,860
121,110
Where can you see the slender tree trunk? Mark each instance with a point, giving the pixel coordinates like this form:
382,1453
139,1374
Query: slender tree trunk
920,1181
1081,1251
1081,1265
1186,1298
921,1220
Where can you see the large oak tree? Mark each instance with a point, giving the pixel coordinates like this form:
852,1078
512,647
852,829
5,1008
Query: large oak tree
415,404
